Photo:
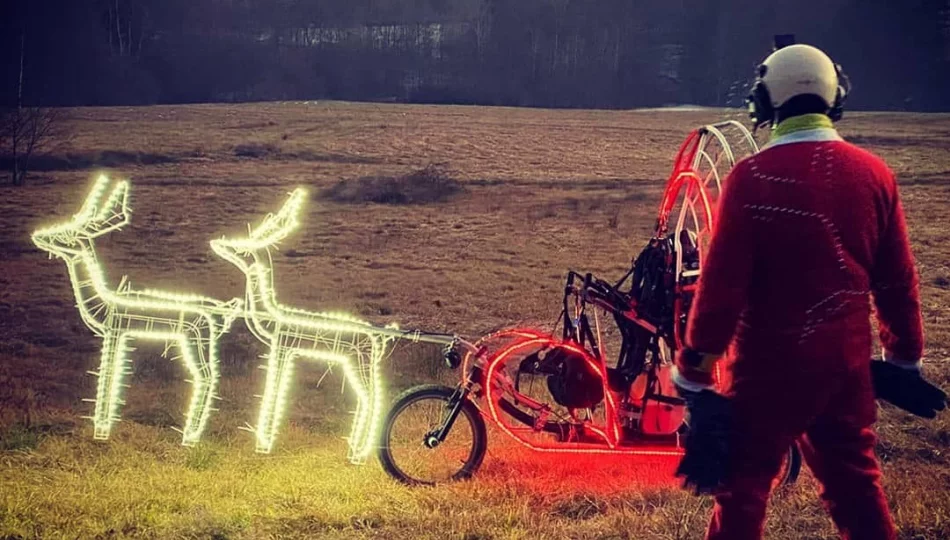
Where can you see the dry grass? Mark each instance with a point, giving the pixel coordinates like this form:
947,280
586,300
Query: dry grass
540,188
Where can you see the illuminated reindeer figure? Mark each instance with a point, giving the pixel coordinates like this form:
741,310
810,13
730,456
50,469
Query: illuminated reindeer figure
192,323
357,346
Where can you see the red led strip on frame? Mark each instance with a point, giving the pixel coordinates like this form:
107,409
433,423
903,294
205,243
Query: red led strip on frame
610,433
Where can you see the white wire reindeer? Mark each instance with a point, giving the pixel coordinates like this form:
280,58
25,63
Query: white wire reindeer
356,346
191,323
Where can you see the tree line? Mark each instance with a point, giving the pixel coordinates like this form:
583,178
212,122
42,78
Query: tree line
550,53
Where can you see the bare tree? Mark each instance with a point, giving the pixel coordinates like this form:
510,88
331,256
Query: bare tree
24,130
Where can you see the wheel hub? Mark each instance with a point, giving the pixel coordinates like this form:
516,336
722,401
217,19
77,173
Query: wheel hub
431,440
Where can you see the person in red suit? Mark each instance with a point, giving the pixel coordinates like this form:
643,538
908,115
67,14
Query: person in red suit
808,231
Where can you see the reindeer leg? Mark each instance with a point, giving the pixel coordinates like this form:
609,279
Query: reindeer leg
280,366
110,379
377,396
204,374
362,419
374,393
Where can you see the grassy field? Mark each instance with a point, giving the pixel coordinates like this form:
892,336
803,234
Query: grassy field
540,192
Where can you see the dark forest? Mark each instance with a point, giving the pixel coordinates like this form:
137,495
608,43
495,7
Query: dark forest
546,53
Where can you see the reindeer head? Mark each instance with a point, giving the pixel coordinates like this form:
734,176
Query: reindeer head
99,215
245,252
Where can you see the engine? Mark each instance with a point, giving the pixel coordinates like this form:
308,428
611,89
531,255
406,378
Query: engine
571,380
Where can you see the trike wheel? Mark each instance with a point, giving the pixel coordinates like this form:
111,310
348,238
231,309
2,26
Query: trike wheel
411,453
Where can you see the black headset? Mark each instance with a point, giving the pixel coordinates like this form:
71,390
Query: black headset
760,102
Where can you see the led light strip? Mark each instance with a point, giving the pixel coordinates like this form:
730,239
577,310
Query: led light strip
191,323
291,333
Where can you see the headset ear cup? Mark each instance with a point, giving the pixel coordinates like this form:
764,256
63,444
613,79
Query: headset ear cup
837,109
844,88
761,110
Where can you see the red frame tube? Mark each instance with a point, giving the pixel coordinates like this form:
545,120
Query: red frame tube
609,432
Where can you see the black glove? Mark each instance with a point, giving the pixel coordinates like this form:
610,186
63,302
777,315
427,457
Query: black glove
706,462
906,389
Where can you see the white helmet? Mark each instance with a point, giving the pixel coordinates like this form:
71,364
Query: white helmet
791,71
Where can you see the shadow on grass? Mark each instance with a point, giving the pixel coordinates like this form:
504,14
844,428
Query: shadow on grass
18,437
423,186
91,160
23,437
259,150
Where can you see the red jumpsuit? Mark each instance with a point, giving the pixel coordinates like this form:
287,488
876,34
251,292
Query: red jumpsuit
807,232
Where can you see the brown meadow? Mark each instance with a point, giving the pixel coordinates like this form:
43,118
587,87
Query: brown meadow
524,195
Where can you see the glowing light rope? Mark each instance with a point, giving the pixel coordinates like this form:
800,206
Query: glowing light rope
192,324
292,333
530,339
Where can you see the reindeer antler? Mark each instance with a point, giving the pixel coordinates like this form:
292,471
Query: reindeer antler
93,220
115,212
112,215
276,227
88,209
